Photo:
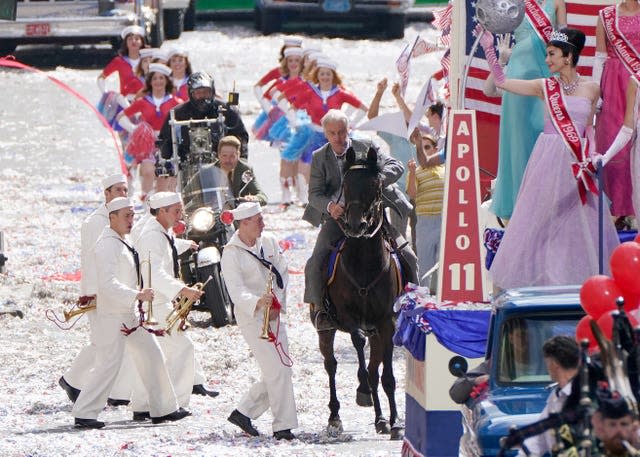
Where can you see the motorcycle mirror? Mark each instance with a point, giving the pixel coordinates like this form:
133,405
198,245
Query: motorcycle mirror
458,366
226,217
247,177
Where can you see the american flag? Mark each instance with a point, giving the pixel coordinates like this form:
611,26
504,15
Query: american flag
582,14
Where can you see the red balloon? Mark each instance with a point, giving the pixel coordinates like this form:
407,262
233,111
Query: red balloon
179,227
583,332
631,301
625,267
606,323
598,295
637,238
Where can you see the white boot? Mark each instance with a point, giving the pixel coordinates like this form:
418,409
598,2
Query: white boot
286,192
302,190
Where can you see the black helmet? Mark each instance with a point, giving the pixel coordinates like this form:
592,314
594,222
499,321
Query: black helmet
196,81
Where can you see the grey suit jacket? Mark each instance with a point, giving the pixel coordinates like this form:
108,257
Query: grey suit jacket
326,180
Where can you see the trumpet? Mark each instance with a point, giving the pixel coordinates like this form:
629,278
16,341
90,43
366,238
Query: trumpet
79,310
266,329
84,304
150,320
181,308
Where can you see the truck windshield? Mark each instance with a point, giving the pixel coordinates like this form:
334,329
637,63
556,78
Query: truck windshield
520,352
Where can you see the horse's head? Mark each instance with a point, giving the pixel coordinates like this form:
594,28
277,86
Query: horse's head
362,189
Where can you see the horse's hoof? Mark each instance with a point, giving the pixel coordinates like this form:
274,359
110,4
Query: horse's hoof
334,428
382,427
363,399
397,433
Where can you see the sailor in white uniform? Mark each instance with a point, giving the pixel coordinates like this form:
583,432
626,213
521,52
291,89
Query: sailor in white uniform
76,376
118,295
249,258
157,243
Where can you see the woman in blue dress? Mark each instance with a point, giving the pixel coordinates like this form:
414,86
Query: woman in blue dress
521,120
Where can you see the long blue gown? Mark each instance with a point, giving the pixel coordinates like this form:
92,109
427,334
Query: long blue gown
521,120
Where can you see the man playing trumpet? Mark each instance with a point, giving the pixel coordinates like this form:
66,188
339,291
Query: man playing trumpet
74,379
249,260
118,293
157,242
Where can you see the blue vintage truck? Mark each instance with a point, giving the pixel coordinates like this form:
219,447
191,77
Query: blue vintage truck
522,319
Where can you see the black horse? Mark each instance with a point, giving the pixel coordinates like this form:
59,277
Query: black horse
362,293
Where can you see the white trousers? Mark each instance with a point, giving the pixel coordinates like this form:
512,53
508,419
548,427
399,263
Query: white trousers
78,373
179,354
275,389
147,359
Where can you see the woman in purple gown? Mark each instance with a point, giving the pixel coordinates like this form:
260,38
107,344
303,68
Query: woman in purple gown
552,237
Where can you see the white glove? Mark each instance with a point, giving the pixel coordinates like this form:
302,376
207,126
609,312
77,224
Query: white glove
257,91
264,102
598,66
504,48
284,105
101,84
292,117
622,138
123,101
126,124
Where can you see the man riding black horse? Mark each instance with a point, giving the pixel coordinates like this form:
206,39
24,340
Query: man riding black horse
326,204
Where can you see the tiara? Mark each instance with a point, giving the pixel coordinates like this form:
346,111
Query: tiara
559,36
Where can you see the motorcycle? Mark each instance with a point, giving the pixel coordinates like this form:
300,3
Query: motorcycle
205,196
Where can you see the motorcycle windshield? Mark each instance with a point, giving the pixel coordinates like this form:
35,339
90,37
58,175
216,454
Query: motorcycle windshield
208,187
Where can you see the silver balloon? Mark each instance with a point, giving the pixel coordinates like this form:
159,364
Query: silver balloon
500,16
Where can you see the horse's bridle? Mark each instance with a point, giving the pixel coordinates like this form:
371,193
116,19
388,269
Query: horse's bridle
374,212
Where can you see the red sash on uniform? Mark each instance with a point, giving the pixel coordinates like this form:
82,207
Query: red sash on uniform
539,20
627,54
582,168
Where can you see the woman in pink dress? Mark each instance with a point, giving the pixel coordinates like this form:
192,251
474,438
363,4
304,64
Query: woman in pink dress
552,237
614,21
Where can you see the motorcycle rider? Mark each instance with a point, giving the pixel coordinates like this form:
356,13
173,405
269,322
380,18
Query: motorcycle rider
241,178
202,104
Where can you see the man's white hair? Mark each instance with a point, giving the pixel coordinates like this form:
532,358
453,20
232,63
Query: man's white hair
334,115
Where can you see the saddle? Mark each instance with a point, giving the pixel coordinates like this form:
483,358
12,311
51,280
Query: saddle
326,317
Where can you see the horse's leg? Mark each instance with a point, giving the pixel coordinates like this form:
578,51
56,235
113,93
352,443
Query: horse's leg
326,339
389,381
363,392
375,359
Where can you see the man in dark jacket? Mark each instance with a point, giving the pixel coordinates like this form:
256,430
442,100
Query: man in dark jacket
325,204
202,104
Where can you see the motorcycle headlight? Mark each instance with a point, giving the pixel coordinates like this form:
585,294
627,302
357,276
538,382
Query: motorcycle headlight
203,219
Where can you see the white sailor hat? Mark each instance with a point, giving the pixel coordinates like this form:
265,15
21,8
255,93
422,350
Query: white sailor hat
135,29
317,55
160,54
311,50
147,52
246,210
119,203
159,68
326,63
113,179
293,41
293,52
177,52
162,199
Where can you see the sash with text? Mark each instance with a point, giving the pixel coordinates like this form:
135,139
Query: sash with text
628,55
539,20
